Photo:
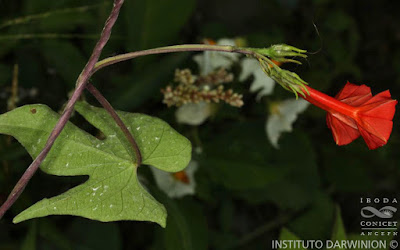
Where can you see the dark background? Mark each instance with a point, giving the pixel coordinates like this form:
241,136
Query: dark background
237,204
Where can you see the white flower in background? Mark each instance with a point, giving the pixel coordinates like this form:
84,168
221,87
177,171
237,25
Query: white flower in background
283,115
262,83
193,113
177,184
209,61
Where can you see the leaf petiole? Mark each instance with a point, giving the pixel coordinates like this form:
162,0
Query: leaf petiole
107,106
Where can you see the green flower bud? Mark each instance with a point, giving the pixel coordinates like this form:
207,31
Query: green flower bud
280,52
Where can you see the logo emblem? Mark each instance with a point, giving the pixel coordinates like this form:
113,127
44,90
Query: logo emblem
384,213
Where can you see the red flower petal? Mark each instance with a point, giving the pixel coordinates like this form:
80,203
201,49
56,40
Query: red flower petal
354,95
372,140
343,132
380,106
375,119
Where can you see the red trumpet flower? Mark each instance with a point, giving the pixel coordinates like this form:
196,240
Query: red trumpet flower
354,112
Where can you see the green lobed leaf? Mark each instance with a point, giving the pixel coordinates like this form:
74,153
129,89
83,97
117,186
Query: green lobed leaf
112,191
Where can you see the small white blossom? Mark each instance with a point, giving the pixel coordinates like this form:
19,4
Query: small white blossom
262,83
193,113
282,117
173,186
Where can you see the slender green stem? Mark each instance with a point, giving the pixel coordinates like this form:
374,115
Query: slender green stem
288,80
172,49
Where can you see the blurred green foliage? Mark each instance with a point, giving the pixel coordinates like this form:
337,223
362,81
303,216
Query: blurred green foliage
246,191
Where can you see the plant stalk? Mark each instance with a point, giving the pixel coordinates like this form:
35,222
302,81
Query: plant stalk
107,106
173,49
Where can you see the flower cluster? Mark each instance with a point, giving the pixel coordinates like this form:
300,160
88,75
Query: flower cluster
195,89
